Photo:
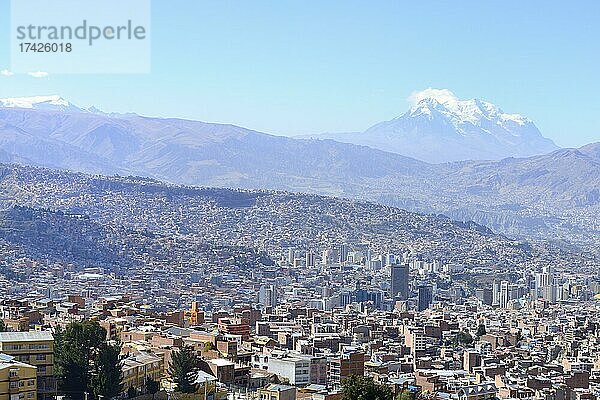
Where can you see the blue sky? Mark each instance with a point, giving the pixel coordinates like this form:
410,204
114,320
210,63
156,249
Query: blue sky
293,67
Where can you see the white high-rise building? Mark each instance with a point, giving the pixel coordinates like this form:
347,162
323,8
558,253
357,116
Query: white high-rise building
504,297
291,255
543,279
549,293
496,293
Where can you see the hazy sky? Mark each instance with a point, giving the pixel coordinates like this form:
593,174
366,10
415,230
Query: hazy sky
293,67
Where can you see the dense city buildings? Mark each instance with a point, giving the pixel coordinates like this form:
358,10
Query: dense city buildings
286,296
294,331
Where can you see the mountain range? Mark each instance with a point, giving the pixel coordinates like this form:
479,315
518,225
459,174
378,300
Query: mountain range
554,194
440,127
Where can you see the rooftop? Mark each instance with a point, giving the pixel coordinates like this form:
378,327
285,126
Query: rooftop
31,336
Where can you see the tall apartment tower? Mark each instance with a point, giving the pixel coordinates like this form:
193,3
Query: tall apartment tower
328,256
484,295
542,280
310,259
399,281
291,256
425,297
496,293
344,253
267,295
504,296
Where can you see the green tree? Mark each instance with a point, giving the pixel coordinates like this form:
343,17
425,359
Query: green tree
131,392
107,380
183,369
76,350
151,386
363,388
464,338
2,326
481,330
406,394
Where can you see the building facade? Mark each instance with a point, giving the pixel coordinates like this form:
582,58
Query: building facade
35,348
18,381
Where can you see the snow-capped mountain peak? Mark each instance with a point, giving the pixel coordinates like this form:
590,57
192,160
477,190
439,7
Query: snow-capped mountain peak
448,105
52,102
440,127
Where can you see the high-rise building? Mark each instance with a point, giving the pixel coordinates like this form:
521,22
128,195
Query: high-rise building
484,295
495,293
543,279
344,253
354,257
390,259
548,270
375,296
310,259
504,297
267,295
549,293
399,281
562,291
425,297
416,340
471,359
374,265
329,256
